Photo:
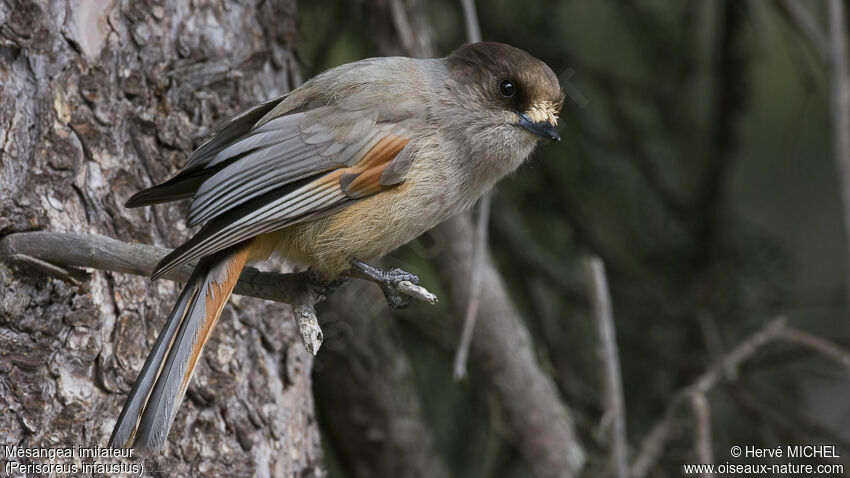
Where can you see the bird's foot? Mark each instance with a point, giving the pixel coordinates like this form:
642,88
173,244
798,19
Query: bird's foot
322,286
388,280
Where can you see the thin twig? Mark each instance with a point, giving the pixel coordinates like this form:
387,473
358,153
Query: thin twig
473,34
702,432
416,291
304,314
816,344
70,275
470,16
614,417
798,12
402,25
58,252
462,354
724,369
840,105
653,445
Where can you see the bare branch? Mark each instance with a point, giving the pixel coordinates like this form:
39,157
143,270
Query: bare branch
816,344
728,365
57,252
702,438
100,252
473,33
796,11
416,291
474,301
654,443
724,368
402,25
840,105
834,53
304,314
415,38
503,352
615,409
470,16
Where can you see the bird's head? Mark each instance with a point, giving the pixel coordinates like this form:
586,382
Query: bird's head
508,87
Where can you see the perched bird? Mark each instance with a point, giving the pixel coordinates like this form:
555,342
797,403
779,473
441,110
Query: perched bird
351,165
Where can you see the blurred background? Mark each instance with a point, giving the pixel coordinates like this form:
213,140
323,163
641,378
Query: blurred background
697,163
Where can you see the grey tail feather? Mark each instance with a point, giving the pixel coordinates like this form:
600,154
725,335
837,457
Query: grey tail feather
156,396
134,406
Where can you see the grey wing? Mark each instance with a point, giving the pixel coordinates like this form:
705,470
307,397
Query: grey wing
287,169
321,148
196,171
280,151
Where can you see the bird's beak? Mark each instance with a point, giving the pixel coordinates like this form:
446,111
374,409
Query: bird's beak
543,129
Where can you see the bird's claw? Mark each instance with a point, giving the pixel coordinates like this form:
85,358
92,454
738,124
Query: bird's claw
322,286
388,280
394,276
394,299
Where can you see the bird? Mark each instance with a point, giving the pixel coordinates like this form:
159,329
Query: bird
349,166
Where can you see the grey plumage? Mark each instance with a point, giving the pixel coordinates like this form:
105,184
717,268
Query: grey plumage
354,163
153,402
185,183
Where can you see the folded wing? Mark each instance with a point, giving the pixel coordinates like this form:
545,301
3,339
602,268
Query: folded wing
281,170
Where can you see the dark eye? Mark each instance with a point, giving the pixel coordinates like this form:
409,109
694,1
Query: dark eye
507,88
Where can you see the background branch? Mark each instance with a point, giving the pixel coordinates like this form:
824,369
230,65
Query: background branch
502,350
614,418
702,430
724,369
462,354
840,106
653,445
799,14
473,34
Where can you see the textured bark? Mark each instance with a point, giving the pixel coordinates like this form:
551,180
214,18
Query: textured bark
100,99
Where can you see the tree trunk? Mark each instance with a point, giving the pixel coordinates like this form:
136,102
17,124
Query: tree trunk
100,99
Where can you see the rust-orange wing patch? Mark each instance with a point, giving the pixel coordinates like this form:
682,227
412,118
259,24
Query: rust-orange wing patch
364,178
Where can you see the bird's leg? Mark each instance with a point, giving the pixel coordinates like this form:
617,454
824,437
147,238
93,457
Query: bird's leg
388,280
322,286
